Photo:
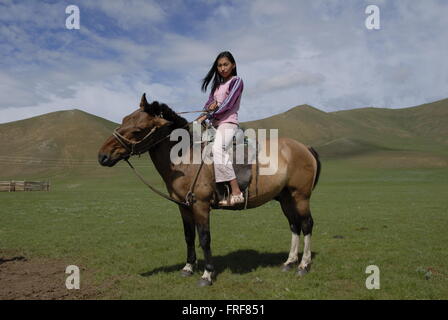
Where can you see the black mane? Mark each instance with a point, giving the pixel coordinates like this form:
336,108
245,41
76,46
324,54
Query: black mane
157,109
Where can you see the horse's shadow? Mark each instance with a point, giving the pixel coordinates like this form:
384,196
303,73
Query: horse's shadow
239,262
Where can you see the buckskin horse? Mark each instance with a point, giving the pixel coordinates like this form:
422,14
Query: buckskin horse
146,129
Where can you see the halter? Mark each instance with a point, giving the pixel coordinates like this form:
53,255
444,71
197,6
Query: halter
133,147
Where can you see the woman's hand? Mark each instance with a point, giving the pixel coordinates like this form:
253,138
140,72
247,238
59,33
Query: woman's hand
201,118
213,106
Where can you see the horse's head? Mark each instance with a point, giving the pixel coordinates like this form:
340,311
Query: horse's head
137,134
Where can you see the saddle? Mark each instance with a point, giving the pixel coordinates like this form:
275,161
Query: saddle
244,156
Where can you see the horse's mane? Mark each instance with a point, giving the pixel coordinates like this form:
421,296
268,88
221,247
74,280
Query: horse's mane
161,109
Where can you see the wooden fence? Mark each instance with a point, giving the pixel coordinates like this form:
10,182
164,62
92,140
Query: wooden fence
10,186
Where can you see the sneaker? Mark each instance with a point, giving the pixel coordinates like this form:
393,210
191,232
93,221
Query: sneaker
236,199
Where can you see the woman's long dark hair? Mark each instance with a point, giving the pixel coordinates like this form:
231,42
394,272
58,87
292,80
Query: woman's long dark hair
213,73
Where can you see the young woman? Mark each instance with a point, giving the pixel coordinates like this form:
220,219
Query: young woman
222,110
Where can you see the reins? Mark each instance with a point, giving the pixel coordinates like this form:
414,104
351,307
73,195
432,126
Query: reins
130,146
183,112
186,203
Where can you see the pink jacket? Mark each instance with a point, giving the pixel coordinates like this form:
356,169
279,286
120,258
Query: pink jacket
228,96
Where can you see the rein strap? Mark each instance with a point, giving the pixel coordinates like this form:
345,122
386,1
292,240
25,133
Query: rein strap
186,204
189,198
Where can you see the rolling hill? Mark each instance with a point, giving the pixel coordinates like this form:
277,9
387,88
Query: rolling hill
409,137
416,132
53,141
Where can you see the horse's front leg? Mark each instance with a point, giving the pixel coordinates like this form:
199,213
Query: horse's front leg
190,234
202,219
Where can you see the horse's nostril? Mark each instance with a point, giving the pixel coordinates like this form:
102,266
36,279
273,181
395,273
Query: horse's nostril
102,158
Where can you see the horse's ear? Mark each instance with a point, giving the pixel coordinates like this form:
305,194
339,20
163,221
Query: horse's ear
143,102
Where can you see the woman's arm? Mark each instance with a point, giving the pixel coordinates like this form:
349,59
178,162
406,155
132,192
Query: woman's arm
236,88
210,100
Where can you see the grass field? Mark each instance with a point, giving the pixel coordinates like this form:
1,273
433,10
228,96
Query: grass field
131,241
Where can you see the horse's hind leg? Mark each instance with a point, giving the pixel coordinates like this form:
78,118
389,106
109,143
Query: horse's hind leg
289,209
294,251
296,209
307,229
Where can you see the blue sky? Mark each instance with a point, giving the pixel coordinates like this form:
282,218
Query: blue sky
288,53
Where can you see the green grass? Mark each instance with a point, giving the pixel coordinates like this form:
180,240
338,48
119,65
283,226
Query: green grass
106,221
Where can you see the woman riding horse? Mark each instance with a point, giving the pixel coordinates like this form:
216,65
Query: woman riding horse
147,129
222,106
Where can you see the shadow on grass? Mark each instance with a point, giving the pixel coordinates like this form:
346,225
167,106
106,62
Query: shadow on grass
239,262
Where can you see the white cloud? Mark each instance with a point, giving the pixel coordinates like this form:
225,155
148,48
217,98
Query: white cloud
35,15
102,98
290,79
130,13
288,53
180,53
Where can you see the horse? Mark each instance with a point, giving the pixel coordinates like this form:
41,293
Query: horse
146,129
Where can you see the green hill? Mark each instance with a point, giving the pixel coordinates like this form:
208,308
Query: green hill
409,133
408,137
54,141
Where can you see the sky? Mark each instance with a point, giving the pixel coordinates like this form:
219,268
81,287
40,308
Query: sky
288,53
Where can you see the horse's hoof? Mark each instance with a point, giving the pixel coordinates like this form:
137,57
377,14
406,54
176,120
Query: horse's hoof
287,267
301,272
185,273
204,283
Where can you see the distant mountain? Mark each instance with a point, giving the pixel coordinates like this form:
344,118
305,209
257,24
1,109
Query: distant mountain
361,131
56,140
416,136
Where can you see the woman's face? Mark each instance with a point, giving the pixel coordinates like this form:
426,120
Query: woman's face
225,67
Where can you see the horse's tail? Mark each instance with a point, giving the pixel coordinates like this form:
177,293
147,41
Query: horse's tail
316,156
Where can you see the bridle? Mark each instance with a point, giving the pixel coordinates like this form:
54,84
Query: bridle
134,147
137,148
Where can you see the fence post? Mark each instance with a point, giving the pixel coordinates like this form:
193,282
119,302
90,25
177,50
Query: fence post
13,185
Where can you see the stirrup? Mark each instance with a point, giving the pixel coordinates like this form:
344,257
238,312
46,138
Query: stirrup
224,202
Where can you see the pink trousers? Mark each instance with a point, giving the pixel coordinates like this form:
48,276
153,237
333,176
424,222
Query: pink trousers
222,145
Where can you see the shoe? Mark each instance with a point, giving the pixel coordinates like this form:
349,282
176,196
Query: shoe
232,201
236,199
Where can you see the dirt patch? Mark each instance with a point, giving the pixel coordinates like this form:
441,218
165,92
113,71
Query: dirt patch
40,279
